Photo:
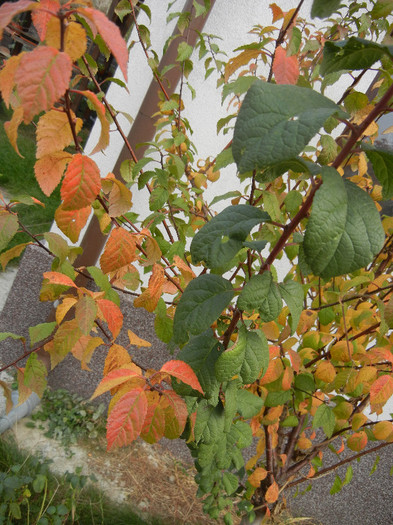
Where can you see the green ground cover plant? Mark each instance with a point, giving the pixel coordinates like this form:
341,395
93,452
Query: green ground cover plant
295,363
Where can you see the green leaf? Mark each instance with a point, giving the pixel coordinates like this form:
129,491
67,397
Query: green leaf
248,404
276,122
8,227
158,198
293,295
200,305
344,231
325,418
184,51
381,9
201,353
230,406
324,8
228,195
35,374
163,324
222,237
382,163
256,357
238,86
258,246
230,482
57,245
41,331
352,54
209,424
223,159
275,399
230,361
337,485
102,281
4,335
39,483
261,293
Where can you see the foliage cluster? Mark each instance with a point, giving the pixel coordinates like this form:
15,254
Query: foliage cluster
68,417
282,362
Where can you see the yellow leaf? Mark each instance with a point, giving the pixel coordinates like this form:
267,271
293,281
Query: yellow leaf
239,61
358,421
54,132
382,430
7,77
137,341
11,128
99,108
325,371
53,31
64,307
75,41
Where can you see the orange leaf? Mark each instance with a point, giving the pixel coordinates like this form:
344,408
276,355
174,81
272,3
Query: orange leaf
84,348
41,16
59,278
114,379
273,372
54,132
357,441
112,315
71,222
325,371
11,128
111,36
380,392
99,108
257,476
184,372
271,494
117,357
42,77
295,359
49,170
285,69
126,419
137,341
150,297
154,425
81,183
120,250
185,270
175,414
277,12
120,197
287,378
10,9
7,77
153,252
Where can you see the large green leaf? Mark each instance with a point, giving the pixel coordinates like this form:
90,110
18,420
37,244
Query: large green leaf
352,54
261,293
222,237
382,162
293,295
245,358
200,305
209,424
276,122
248,404
325,418
344,231
201,353
324,8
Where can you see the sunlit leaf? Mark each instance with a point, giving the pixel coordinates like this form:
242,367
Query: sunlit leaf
81,183
59,278
120,250
285,68
41,79
150,297
137,341
112,315
126,419
71,222
41,16
182,371
54,134
49,169
115,378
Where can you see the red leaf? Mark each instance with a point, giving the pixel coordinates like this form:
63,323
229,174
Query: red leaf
10,9
111,36
49,170
41,79
41,16
114,379
126,419
285,69
150,297
357,441
184,372
112,315
81,183
120,250
380,392
71,222
59,278
154,425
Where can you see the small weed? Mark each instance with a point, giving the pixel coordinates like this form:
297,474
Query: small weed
69,417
